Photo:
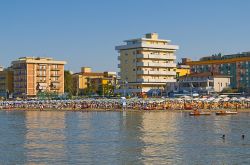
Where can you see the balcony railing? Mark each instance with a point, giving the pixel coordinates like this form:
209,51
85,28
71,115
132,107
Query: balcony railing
55,81
41,75
55,75
55,87
55,69
41,69
156,80
173,73
153,64
156,56
41,81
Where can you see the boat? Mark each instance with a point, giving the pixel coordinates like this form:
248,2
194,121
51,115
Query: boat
198,113
226,113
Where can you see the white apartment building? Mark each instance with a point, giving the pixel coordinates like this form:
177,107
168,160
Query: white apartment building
146,64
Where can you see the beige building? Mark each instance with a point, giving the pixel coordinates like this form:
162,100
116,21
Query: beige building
6,82
80,80
146,64
204,82
87,82
37,74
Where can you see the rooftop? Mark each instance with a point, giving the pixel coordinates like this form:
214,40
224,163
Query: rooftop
148,37
219,56
38,60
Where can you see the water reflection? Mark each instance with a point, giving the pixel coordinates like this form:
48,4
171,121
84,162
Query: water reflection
122,138
159,137
12,136
45,137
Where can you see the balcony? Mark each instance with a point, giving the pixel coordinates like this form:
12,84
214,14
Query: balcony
55,81
119,58
41,75
55,75
119,65
55,87
153,64
172,73
44,69
55,69
156,56
155,80
41,81
189,80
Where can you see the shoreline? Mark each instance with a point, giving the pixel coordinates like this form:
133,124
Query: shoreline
119,110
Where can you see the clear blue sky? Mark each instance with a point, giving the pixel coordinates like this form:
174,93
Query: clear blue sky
85,32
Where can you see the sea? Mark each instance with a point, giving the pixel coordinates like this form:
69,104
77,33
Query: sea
65,137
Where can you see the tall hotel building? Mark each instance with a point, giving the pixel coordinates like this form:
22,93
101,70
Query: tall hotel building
146,63
37,74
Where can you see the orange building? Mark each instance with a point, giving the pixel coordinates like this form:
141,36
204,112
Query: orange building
37,74
6,82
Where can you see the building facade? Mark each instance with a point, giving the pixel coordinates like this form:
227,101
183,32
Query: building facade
87,82
182,70
237,66
37,74
146,64
6,83
204,82
201,83
105,85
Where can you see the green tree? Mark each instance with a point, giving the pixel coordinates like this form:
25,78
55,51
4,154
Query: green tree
227,90
68,82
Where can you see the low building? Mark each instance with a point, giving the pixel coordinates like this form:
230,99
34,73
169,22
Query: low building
237,66
6,83
104,85
203,82
87,82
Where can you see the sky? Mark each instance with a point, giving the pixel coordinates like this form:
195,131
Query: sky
85,32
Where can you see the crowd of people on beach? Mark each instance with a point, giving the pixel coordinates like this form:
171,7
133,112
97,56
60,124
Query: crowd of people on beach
130,104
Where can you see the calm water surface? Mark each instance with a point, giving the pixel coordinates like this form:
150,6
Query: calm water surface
122,138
